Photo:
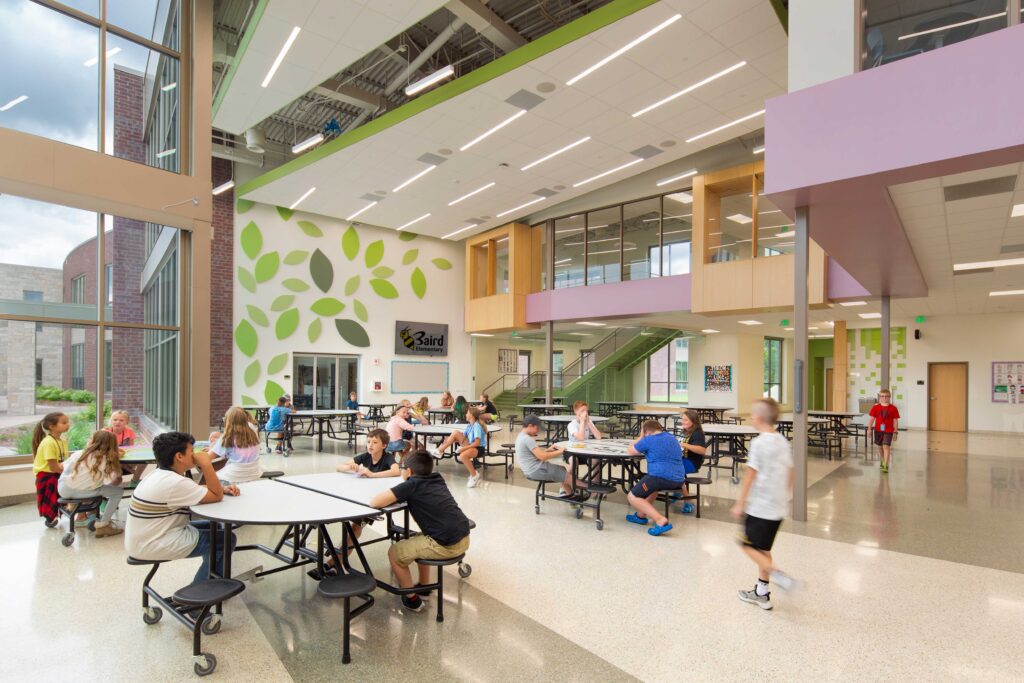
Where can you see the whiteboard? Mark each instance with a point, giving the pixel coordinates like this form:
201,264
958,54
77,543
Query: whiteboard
418,377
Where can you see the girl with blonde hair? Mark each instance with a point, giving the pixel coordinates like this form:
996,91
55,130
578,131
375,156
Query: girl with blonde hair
96,471
240,446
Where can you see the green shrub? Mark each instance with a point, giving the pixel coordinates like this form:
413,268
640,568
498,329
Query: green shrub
23,445
83,396
83,424
67,394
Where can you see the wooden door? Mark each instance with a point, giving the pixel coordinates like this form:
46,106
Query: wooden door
947,397
828,388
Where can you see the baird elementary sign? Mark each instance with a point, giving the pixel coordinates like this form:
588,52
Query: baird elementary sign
420,339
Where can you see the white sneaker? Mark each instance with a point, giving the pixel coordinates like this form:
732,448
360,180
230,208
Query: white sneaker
434,452
473,480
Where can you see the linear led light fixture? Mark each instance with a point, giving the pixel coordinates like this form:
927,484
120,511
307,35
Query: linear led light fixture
555,153
949,26
740,218
787,233
169,87
759,150
1016,212
460,230
602,175
565,260
989,264
581,334
426,82
303,197
416,177
479,334
467,196
14,103
521,206
727,125
166,153
750,322
689,89
849,304
709,331
362,210
413,221
870,316
625,48
93,61
307,143
280,56
1006,292
492,130
223,187
666,181
589,324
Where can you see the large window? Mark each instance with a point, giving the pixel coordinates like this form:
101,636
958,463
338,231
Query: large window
77,295
668,373
78,366
569,244
773,368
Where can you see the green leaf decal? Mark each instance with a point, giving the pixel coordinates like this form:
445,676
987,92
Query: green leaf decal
360,310
374,253
296,257
352,332
410,256
295,285
252,240
271,392
252,373
245,338
243,205
287,323
311,229
327,306
419,283
277,364
352,285
249,401
383,271
384,289
406,236
314,330
246,279
282,302
284,213
267,266
350,243
258,316
442,263
321,270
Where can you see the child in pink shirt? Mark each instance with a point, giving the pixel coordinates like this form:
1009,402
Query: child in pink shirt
397,426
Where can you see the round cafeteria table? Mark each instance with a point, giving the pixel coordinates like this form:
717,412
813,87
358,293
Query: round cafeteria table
714,414
420,433
610,408
321,421
635,418
600,457
560,425
440,415
731,441
543,408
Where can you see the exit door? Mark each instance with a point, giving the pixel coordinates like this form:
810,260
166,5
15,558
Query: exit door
947,397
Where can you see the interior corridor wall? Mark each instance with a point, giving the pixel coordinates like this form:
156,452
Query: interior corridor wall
486,363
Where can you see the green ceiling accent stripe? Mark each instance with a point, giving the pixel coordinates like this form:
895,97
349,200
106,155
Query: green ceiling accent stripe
782,13
250,30
550,42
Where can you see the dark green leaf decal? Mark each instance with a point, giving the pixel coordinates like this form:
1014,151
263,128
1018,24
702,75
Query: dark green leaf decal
321,270
410,256
271,392
327,306
352,332
360,310
286,324
350,243
277,363
406,236
295,285
245,338
243,205
311,229
252,373
282,302
419,283
314,330
384,289
249,401
383,271
267,266
284,213
252,240
258,316
442,263
374,253
246,279
352,285
296,257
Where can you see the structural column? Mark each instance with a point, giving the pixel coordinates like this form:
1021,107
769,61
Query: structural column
800,354
549,350
884,362
840,366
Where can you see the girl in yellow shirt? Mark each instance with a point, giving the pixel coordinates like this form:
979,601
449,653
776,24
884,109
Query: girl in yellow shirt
49,451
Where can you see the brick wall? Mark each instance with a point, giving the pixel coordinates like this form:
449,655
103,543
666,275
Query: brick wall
80,262
221,279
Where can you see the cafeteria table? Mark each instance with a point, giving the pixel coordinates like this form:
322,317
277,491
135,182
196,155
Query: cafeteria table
610,408
635,418
320,421
543,408
420,434
560,425
712,414
727,440
441,415
375,411
599,456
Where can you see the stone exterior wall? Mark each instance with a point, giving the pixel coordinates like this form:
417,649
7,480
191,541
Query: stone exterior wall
20,342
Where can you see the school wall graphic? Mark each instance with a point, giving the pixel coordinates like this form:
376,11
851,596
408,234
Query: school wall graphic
864,355
717,378
1008,382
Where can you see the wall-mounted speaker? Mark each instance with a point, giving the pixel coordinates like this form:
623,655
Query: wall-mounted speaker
917,334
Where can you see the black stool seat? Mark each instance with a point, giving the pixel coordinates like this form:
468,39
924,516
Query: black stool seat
696,479
472,524
209,592
137,561
508,445
346,585
81,501
272,474
443,563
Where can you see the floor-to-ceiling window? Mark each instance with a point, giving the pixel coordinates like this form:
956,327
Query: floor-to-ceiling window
773,368
668,373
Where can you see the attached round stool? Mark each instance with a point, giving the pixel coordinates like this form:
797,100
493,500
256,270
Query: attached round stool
346,587
698,481
464,571
72,507
205,595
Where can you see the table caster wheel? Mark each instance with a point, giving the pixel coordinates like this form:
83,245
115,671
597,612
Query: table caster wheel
151,615
579,512
50,523
208,665
536,509
92,525
734,480
600,524
68,539
211,624
465,570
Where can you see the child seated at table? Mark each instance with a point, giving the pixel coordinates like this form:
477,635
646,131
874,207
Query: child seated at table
581,427
488,413
397,428
277,427
158,525
445,529
535,461
472,441
665,472
93,472
419,411
239,446
376,461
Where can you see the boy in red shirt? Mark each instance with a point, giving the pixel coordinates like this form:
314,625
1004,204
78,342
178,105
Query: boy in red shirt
884,421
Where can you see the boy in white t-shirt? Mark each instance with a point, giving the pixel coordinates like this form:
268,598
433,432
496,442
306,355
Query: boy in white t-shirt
764,499
158,525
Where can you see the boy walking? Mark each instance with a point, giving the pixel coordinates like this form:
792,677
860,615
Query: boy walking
763,499
883,422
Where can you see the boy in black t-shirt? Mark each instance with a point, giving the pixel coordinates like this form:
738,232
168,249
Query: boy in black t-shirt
445,528
376,461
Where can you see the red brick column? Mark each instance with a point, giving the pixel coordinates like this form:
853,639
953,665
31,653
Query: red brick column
222,266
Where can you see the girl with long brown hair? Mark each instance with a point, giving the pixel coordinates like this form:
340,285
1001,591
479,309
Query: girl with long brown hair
49,450
694,447
96,471
240,445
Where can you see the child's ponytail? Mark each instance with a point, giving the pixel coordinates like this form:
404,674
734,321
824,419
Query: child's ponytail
42,429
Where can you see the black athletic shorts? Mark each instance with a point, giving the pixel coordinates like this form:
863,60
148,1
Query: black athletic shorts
651,484
883,438
759,533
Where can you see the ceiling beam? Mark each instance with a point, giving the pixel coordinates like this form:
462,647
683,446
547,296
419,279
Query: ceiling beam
487,23
350,94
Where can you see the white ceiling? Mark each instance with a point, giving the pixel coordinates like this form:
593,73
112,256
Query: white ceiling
711,36
335,33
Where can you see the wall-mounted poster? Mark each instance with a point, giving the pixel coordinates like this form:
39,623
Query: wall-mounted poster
1008,382
717,378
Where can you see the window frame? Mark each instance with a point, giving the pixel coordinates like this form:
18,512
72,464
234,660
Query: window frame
769,381
671,366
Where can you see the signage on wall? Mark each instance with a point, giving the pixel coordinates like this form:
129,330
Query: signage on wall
420,339
1008,382
717,378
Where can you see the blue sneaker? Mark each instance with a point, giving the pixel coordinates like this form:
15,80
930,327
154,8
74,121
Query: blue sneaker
659,530
687,508
636,519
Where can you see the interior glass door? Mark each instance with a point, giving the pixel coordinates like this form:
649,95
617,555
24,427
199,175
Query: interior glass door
303,381
326,393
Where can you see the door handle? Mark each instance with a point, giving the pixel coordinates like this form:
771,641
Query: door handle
931,398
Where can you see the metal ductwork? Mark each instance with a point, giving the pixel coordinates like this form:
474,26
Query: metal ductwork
256,140
428,52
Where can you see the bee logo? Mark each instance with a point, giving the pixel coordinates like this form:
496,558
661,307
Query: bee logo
407,339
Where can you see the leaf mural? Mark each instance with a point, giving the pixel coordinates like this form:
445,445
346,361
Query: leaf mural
282,303
246,338
258,316
243,205
251,240
294,258
287,323
311,229
295,285
267,266
407,236
246,279
419,283
272,391
328,306
249,401
410,256
350,243
352,285
384,289
277,363
360,310
314,330
284,213
252,373
352,332
321,270
442,263
374,253
383,271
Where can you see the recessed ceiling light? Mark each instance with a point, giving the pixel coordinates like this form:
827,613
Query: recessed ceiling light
555,153
492,130
14,103
303,197
870,316
589,324
812,328
416,177
689,89
740,218
786,233
521,206
93,61
709,331
479,334
467,196
989,264
1007,292
788,329
949,26
728,125
280,56
561,261
850,304
625,48
413,221
424,83
307,143
666,181
759,150
751,322
166,153
1016,212
169,87
581,334
223,187
360,211
609,172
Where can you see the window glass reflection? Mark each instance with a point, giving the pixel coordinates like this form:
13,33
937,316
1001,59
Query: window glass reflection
569,251
603,238
677,233
641,223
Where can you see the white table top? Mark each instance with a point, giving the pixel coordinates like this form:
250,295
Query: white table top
617,403
788,417
345,485
569,418
650,413
439,410
268,502
445,430
599,447
322,413
547,406
699,407
717,429
377,405
254,407
832,413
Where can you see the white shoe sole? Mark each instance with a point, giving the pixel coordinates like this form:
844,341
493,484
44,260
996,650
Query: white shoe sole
763,605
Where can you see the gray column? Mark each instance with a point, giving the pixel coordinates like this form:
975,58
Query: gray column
883,382
800,354
549,349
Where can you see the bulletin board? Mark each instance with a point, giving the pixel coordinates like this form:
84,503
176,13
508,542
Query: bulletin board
418,377
717,378
1008,382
